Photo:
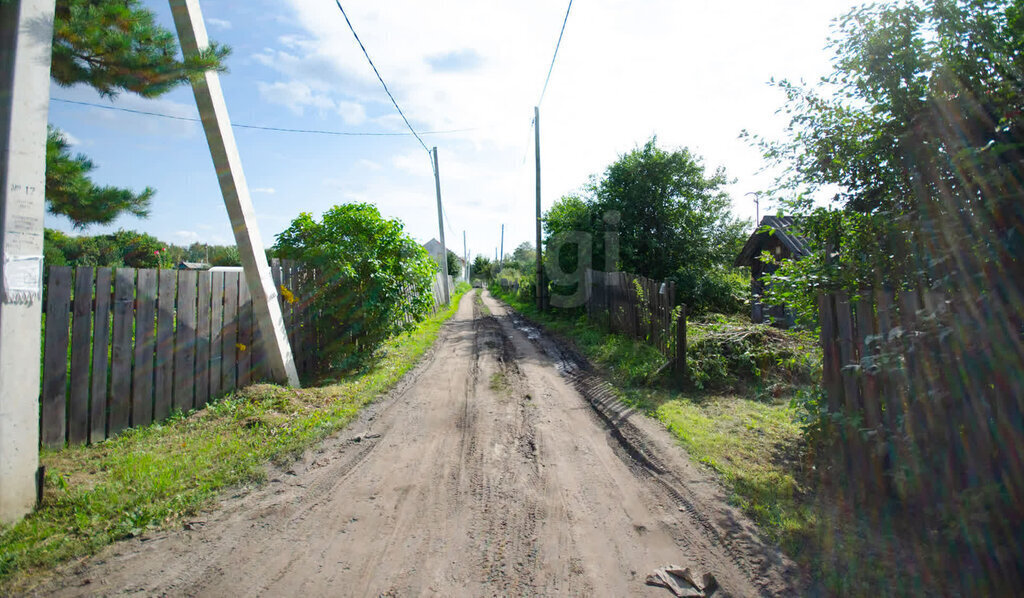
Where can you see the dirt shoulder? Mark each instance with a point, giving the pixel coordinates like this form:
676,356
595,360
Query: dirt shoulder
497,467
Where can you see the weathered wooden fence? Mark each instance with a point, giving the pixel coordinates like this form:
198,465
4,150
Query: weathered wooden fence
911,372
633,305
126,347
636,306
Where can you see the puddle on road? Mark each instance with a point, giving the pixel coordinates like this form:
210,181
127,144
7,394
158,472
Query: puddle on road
564,363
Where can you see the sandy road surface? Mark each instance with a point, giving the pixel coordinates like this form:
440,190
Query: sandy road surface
501,469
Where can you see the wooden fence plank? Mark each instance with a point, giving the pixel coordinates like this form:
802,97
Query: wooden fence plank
55,360
245,336
81,345
121,351
230,334
830,353
203,340
145,348
185,341
163,396
216,332
100,357
891,385
847,353
869,387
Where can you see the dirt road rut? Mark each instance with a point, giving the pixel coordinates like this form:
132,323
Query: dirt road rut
499,467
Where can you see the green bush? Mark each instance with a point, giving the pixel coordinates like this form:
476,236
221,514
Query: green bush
375,280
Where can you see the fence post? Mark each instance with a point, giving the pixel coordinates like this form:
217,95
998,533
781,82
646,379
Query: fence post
680,364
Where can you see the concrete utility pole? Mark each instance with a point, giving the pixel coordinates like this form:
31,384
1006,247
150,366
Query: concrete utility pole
540,262
502,254
465,258
440,226
188,20
26,31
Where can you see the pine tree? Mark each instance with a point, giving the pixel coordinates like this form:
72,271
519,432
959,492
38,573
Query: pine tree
70,192
112,46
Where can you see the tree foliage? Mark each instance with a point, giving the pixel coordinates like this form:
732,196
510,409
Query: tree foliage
670,219
481,268
116,45
920,129
131,249
70,192
454,267
112,46
375,280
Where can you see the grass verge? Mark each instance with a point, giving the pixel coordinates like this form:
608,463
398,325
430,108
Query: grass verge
159,475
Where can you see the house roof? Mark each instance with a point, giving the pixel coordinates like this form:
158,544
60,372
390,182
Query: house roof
779,228
433,246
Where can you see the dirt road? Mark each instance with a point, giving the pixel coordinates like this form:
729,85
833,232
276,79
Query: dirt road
499,467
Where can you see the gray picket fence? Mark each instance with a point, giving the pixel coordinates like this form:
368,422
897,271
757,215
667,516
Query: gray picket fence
125,347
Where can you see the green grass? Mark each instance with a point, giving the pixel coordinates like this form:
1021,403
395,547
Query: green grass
750,443
160,475
480,304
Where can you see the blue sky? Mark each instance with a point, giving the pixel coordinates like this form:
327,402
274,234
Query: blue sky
694,73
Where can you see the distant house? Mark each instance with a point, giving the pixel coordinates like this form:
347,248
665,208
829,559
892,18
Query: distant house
436,251
774,236
193,266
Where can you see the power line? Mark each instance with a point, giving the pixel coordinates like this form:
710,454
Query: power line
379,78
555,55
257,127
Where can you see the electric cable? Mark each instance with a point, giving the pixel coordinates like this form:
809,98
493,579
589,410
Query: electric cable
256,127
379,78
555,55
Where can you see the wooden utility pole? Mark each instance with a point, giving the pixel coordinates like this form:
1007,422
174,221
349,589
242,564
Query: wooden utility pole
502,253
540,261
26,31
188,20
440,226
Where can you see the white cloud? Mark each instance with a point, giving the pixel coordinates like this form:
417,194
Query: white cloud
352,113
219,23
267,190
189,236
693,73
417,164
294,95
71,139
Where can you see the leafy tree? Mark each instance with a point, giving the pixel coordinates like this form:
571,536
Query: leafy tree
372,276
524,258
672,221
920,129
122,248
454,269
112,46
481,267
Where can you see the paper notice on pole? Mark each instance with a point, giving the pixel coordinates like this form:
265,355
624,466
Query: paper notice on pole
23,278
